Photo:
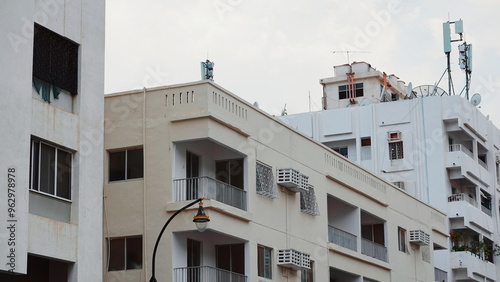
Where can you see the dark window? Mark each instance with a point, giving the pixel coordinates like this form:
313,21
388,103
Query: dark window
344,92
306,275
396,150
366,141
230,172
50,170
264,262
127,164
125,253
231,257
55,59
401,239
342,150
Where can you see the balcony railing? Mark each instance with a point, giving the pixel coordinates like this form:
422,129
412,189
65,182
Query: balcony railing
462,197
206,274
193,188
373,250
459,147
342,238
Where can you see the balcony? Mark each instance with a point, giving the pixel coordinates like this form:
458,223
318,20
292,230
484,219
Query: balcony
462,197
342,238
466,265
206,273
460,148
192,188
373,250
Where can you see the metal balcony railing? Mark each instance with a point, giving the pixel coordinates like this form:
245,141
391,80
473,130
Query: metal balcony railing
459,147
192,188
206,274
463,197
342,238
373,250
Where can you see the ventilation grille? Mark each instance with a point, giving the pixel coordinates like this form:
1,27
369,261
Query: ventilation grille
419,237
293,180
293,259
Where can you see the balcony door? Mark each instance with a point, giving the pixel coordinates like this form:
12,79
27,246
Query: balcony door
192,174
230,172
193,260
232,259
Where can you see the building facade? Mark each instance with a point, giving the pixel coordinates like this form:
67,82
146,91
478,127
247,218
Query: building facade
52,80
438,148
282,206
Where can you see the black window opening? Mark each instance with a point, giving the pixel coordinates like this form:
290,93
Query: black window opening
51,169
344,91
55,63
230,172
125,253
126,164
344,151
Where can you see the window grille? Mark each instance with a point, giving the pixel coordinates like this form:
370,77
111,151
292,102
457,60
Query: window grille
399,184
396,150
265,184
308,202
55,59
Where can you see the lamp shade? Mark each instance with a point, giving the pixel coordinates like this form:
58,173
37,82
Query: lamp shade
201,219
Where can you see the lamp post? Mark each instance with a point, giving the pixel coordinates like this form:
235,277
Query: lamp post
200,219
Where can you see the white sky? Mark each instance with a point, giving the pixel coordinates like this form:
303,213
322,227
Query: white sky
275,52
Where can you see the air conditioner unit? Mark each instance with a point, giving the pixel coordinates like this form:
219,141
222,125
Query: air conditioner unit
419,237
393,136
293,259
293,180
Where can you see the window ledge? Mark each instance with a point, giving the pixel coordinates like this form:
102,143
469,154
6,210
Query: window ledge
51,196
209,204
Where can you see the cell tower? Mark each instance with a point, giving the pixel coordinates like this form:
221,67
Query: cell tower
207,70
464,54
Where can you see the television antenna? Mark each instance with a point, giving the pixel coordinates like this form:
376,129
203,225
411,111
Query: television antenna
347,52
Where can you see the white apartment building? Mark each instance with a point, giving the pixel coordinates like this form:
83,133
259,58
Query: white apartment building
440,149
282,206
51,109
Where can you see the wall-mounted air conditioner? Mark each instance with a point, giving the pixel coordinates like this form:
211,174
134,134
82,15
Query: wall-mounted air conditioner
293,259
293,180
419,237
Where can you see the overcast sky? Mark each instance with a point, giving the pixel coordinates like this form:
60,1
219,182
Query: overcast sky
275,52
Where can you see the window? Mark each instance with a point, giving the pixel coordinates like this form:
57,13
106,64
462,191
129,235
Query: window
50,170
125,253
344,94
367,141
55,63
231,258
230,172
396,150
401,239
126,164
342,150
265,184
306,275
264,262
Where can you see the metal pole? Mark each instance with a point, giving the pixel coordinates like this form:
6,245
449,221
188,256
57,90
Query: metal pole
153,278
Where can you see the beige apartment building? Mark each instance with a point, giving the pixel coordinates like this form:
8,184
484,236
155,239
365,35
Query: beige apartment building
282,206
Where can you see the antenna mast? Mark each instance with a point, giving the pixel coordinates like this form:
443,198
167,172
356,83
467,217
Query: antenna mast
465,54
347,53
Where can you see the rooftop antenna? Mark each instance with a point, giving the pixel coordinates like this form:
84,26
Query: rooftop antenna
207,70
347,53
459,29
283,112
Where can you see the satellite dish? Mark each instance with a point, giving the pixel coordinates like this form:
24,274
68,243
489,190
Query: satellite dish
256,104
428,90
409,91
476,99
365,102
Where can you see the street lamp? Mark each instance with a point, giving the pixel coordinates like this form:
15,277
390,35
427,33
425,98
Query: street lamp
200,219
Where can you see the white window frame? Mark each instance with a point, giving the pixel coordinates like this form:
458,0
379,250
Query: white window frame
267,265
402,234
38,167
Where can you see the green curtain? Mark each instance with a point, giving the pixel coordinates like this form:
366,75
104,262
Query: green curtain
44,87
